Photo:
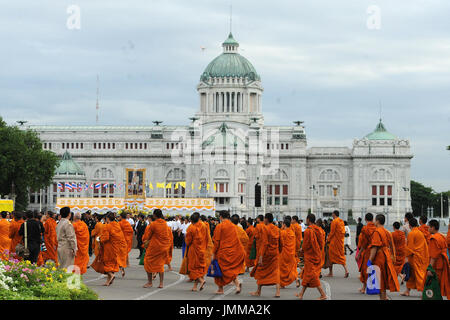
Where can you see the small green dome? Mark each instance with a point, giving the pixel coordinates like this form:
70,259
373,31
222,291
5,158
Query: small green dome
230,64
68,166
380,133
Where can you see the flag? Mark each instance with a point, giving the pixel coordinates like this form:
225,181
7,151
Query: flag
60,186
80,187
160,185
74,185
169,185
91,186
183,184
68,186
86,186
114,186
207,186
98,185
176,186
192,186
120,186
151,186
105,185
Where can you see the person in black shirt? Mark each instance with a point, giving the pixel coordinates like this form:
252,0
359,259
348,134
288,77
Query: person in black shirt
90,222
35,230
140,229
359,227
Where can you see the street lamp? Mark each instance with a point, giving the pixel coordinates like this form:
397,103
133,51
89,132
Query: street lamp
312,188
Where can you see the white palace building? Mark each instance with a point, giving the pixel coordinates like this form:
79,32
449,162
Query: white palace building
226,150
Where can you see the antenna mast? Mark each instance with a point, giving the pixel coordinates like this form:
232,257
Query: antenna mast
97,106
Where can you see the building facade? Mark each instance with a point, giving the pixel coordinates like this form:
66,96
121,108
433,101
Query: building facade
226,150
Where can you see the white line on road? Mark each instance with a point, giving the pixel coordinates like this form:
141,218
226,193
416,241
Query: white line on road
221,296
92,280
161,289
327,289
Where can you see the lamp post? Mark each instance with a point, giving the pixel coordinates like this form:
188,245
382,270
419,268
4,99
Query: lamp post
312,188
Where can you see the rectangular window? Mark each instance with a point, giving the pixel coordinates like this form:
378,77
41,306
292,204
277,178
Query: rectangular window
109,145
114,145
277,189
282,146
63,145
374,201
126,145
72,145
242,199
95,145
285,201
277,201
140,145
381,190
381,201
287,146
389,190
45,145
268,146
145,145
76,145
389,201
269,201
374,190
50,145
285,189
269,189
321,191
82,145
55,188
104,145
221,189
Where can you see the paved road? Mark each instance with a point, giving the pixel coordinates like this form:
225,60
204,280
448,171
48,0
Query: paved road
176,286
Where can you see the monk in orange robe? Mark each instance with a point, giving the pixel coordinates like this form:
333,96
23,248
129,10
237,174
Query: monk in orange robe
267,270
112,240
197,241
418,258
127,230
229,253
365,237
259,232
50,239
313,256
381,252
295,226
242,235
96,233
251,236
424,228
82,234
439,258
288,261
336,239
14,231
159,241
210,245
5,241
400,247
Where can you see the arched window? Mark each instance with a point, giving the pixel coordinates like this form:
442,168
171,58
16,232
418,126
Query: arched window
329,183
174,189
278,189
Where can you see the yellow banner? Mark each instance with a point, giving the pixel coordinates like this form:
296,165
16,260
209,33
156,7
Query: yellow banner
6,205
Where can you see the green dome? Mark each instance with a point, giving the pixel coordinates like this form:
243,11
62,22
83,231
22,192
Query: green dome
230,64
68,166
380,133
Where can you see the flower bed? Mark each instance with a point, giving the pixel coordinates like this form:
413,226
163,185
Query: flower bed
21,280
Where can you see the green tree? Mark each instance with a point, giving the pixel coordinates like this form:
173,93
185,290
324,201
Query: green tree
421,198
23,163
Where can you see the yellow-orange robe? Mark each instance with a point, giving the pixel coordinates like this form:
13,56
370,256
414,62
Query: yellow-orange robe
82,256
400,251
313,256
251,236
382,239
336,239
169,253
197,241
298,238
269,272
365,237
426,232
418,258
438,250
209,247
157,250
112,240
51,241
97,232
288,261
243,237
229,252
448,237
5,241
14,234
127,230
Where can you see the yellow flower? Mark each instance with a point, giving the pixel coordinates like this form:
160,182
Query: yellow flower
60,276
28,262
53,269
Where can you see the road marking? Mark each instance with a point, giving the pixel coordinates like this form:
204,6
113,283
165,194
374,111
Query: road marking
98,278
180,279
233,288
327,289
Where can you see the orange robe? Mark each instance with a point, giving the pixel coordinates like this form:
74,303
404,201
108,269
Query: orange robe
127,230
243,237
438,250
448,236
400,251
112,240
51,241
82,256
313,256
229,252
288,261
5,241
365,237
382,239
169,253
426,232
14,234
298,238
336,239
269,272
159,239
418,258
251,236
97,232
197,241
209,247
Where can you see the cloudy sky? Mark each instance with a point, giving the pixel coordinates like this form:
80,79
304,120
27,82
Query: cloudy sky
318,60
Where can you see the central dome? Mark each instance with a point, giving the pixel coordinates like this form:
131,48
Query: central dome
230,64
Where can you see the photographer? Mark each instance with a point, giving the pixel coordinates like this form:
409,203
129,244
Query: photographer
33,234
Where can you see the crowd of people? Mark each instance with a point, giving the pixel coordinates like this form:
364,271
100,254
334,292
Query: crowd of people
276,253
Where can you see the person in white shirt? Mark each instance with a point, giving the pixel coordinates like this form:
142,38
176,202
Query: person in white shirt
130,220
348,238
303,225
